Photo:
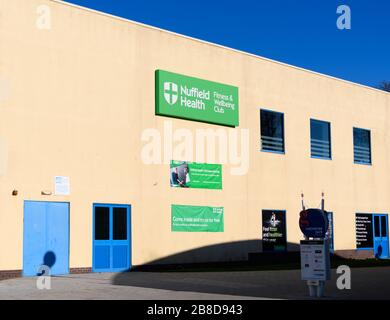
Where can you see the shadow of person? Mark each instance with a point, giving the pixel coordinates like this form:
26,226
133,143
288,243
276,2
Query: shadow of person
378,253
49,259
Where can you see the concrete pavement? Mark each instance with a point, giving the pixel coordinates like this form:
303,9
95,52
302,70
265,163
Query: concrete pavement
96,286
367,283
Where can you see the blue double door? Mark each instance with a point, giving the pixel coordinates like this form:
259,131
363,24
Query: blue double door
381,236
111,238
45,237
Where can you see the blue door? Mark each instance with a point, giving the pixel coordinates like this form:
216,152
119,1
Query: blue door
45,237
381,236
111,238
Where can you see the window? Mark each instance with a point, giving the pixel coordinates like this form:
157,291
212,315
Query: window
377,228
102,223
383,226
120,223
362,146
320,139
272,131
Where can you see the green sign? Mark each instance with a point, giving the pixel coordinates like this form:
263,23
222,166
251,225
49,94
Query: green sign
197,219
196,99
196,175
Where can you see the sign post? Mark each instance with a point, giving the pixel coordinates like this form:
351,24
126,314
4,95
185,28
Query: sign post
315,253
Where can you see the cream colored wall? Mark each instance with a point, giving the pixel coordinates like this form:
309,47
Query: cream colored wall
81,94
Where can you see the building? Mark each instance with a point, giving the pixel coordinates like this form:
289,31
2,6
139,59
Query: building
85,141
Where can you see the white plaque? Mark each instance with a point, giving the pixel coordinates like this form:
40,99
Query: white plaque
61,186
314,261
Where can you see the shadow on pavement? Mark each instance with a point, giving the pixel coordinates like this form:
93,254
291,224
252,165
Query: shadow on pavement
167,274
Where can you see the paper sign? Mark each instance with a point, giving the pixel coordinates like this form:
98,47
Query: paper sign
315,263
62,186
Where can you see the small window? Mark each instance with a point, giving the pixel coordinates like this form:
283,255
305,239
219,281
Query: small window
362,146
383,226
102,223
377,232
320,139
120,223
272,131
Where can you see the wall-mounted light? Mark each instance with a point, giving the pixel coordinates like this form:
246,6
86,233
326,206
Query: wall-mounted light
14,192
46,193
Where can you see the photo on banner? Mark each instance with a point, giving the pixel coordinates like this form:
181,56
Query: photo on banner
185,174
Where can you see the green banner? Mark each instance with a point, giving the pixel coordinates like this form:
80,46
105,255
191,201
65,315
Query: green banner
191,98
197,219
196,175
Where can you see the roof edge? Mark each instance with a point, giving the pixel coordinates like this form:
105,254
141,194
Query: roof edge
64,2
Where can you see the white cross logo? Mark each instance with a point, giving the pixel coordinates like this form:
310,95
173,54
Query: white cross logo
170,92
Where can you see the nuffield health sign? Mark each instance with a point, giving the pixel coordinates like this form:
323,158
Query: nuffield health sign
196,99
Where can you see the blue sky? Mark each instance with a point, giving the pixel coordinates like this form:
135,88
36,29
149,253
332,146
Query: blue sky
298,32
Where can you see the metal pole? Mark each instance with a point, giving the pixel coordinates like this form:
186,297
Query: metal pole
321,284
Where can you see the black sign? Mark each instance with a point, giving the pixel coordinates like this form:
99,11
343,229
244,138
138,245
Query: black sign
364,235
274,230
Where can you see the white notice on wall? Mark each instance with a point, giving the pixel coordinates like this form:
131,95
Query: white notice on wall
61,186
